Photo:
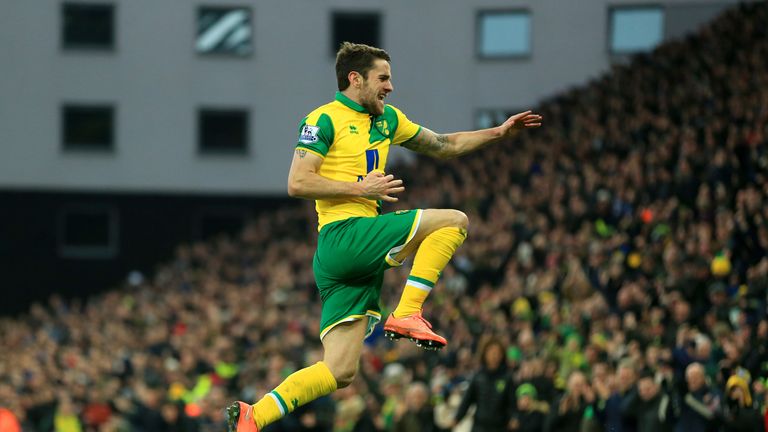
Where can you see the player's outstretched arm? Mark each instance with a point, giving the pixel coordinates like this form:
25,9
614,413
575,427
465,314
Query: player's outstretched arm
446,146
305,182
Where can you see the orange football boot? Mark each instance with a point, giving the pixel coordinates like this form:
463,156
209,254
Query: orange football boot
415,328
240,418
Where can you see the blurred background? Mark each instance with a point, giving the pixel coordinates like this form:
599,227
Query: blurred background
615,276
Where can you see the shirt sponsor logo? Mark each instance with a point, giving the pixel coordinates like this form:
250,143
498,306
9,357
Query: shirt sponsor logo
309,134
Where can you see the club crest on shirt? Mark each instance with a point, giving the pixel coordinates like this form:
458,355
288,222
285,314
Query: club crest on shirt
383,127
309,134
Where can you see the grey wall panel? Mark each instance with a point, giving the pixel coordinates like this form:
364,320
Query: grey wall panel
157,82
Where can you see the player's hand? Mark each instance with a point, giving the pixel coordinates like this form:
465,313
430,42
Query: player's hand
519,121
378,186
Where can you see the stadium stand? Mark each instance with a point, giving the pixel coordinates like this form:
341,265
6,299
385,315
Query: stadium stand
618,255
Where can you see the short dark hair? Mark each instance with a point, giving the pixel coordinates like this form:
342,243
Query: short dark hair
488,344
358,58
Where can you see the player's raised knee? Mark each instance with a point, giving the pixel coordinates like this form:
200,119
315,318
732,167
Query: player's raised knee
434,219
459,219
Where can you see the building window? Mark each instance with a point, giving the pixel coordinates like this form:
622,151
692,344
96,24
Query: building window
223,131
487,118
504,34
88,127
88,26
88,232
362,28
635,29
224,30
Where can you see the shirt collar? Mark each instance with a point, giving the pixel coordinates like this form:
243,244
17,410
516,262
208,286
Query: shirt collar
341,97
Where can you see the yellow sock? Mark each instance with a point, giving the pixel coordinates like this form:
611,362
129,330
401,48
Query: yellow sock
431,258
299,388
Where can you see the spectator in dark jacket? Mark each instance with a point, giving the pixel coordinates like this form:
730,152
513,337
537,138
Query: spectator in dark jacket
575,408
613,409
700,407
490,391
650,410
417,415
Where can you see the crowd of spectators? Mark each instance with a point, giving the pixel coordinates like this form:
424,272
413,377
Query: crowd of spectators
615,279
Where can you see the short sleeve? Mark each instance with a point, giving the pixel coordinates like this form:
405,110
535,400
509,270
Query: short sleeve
405,129
316,134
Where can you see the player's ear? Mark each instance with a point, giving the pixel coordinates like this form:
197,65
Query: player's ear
355,79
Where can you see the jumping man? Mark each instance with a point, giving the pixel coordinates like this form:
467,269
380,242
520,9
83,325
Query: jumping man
339,162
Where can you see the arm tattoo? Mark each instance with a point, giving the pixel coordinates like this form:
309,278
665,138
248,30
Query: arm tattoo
430,143
301,153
